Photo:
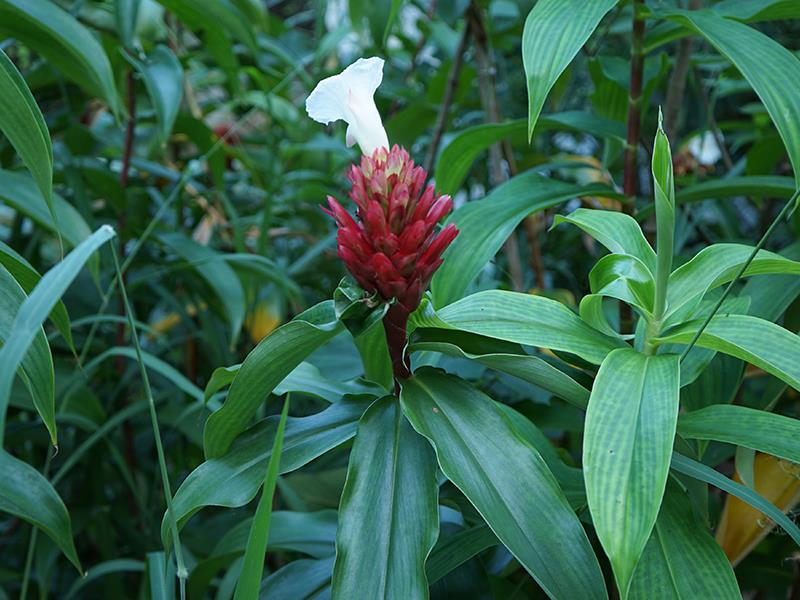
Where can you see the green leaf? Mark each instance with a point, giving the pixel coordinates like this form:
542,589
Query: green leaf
19,191
618,232
682,561
626,278
664,193
486,224
27,277
758,186
217,16
109,567
66,44
253,565
126,14
36,367
526,367
761,343
554,33
697,470
234,479
162,582
749,50
756,429
220,277
22,123
758,10
524,319
263,369
718,264
627,442
388,513
461,152
163,77
34,310
454,550
483,456
29,496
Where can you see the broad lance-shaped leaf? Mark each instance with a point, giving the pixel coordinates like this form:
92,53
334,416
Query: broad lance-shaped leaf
22,123
757,429
506,480
37,306
554,33
29,496
234,479
66,44
718,264
27,277
504,357
761,343
627,444
485,225
388,513
749,50
618,232
682,561
458,156
263,369
524,319
36,368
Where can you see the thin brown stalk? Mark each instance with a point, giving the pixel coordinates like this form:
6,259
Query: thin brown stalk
630,175
488,93
677,81
447,100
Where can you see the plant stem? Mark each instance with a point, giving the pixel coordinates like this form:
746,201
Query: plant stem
677,81
449,93
785,211
162,463
630,175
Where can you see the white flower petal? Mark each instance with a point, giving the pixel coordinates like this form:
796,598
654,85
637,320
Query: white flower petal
705,148
348,96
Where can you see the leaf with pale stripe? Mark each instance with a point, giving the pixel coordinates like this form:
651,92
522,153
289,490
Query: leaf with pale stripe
627,443
481,453
388,513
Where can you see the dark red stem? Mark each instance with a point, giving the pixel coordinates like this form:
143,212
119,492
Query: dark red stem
395,323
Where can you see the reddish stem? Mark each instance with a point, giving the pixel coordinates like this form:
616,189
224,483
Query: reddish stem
395,323
631,176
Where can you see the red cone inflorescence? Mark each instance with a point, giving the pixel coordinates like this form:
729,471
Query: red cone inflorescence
392,249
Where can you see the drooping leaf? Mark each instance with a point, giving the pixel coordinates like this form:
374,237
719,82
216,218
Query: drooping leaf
627,443
29,496
263,369
37,306
756,429
697,470
234,479
36,367
126,16
27,277
486,224
682,561
524,319
388,514
554,33
55,34
749,50
454,550
618,232
22,123
759,342
458,156
482,455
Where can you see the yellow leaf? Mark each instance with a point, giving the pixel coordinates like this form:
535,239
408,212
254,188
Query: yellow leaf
262,321
742,527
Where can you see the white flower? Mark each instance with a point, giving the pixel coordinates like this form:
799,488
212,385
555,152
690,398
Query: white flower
705,148
349,96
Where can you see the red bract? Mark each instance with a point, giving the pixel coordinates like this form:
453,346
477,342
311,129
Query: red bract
392,249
